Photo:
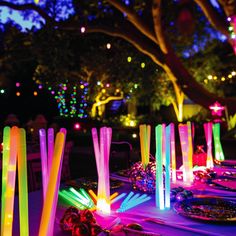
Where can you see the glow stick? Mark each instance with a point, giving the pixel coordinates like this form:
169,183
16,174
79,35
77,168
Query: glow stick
219,155
115,194
172,151
5,161
208,135
102,163
167,166
51,199
22,183
93,195
145,134
70,200
159,169
132,201
190,151
186,152
50,148
44,160
10,187
118,198
142,146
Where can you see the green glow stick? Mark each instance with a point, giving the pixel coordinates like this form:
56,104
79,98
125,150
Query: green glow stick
219,154
70,200
22,182
5,161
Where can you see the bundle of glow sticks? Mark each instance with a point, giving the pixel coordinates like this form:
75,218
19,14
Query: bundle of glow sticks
79,199
145,137
219,154
185,133
14,153
102,153
52,188
163,157
208,135
133,200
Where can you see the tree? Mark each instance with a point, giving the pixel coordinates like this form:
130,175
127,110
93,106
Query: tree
146,26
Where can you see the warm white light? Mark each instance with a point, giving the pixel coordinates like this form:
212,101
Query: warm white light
82,29
108,46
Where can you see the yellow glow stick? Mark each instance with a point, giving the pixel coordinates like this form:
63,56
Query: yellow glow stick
190,151
5,161
52,186
10,187
93,195
113,195
22,182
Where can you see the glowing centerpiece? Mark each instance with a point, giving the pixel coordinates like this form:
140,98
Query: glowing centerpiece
185,134
102,153
219,154
208,135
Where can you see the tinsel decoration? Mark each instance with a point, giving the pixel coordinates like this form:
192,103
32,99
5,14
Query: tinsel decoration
143,179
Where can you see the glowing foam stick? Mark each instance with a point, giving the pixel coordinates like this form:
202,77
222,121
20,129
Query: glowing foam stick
219,154
5,161
50,147
208,135
23,183
118,198
132,200
10,187
145,134
44,160
51,195
114,195
186,152
190,150
66,196
93,195
102,163
172,152
167,166
159,169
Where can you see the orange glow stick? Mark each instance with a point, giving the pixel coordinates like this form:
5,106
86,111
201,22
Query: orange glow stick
50,200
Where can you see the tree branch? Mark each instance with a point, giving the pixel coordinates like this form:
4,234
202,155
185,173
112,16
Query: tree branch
156,13
131,35
134,19
216,20
23,7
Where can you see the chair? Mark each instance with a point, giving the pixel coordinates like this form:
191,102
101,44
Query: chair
120,155
35,169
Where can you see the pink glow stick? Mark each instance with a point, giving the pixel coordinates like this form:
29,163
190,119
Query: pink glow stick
96,147
208,135
44,160
10,187
50,147
190,151
172,152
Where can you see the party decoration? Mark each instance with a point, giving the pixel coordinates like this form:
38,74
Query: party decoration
14,155
185,134
219,154
48,213
172,152
145,136
133,200
102,163
216,109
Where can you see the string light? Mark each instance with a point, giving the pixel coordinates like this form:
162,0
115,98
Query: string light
223,78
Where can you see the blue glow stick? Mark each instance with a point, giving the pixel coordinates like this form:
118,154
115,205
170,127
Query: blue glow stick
118,198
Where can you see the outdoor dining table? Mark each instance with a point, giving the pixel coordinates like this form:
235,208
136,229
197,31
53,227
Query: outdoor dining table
171,223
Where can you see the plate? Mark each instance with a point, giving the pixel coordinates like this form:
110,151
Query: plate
223,183
207,209
91,183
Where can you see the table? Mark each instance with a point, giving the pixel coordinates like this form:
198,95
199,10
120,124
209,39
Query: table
137,214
